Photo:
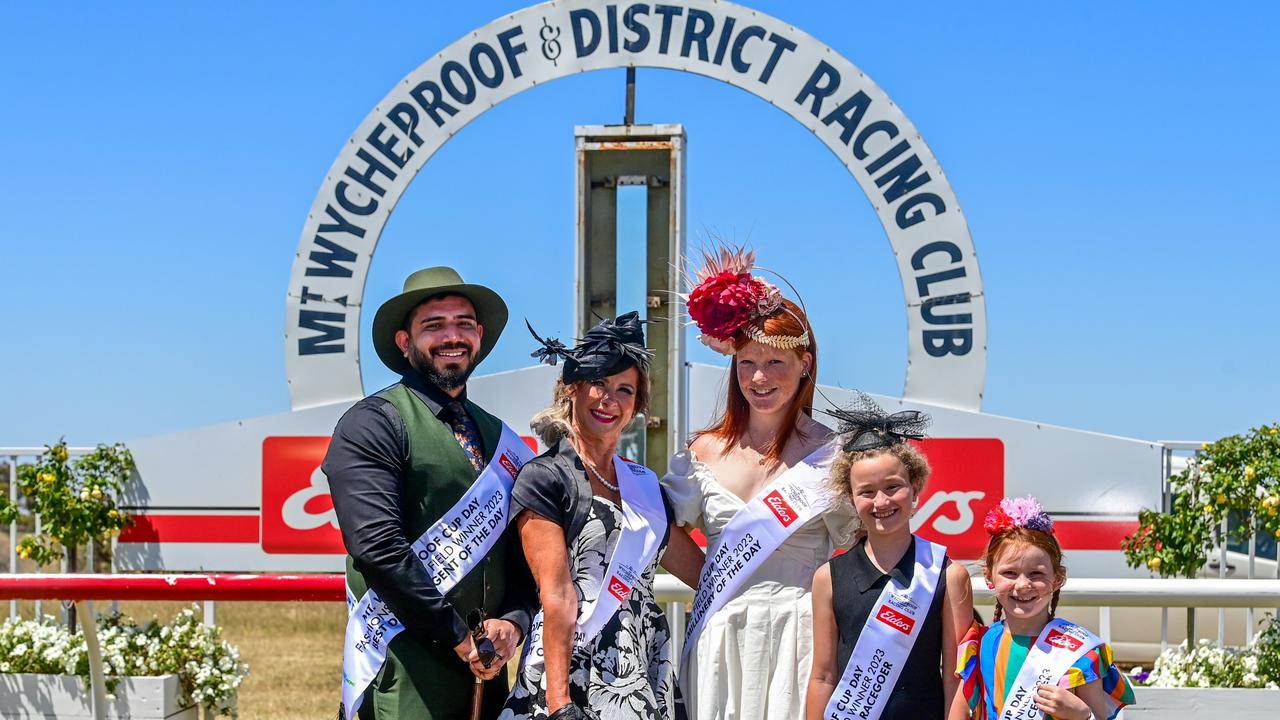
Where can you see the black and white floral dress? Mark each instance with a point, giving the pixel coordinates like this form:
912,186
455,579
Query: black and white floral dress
627,671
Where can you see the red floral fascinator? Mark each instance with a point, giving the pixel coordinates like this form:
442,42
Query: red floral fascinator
727,299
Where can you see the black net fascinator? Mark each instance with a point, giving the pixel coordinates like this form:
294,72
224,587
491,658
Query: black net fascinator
607,349
865,425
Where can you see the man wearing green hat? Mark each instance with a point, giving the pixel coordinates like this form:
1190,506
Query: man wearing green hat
420,478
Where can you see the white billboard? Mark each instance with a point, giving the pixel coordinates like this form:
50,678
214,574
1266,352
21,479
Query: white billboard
249,496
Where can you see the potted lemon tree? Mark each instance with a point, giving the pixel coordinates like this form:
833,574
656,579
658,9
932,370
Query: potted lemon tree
1235,479
153,670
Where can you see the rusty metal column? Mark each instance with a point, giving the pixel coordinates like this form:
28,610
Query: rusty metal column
610,156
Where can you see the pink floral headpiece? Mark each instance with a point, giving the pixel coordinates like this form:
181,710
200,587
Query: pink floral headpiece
1022,512
727,298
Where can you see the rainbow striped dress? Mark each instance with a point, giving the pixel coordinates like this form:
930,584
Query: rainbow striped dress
990,658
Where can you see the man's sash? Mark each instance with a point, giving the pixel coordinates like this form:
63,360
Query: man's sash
644,524
1058,647
449,549
886,640
754,532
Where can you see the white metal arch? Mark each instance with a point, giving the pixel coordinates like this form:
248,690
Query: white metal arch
946,312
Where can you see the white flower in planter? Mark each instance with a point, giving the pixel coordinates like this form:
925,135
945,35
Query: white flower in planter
207,667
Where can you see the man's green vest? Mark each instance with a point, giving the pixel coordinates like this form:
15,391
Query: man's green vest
420,682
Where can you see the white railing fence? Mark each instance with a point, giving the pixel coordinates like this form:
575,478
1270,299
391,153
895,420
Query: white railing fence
1101,593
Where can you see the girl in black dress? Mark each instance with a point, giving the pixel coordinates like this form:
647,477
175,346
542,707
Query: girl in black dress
883,476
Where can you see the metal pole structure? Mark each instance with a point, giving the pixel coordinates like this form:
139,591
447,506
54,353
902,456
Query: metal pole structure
610,156
39,603
1253,554
115,604
1191,627
1222,574
97,680
1164,629
13,528
629,117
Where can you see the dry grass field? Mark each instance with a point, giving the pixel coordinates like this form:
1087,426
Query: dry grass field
294,652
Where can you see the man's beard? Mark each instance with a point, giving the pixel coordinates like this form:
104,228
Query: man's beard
447,378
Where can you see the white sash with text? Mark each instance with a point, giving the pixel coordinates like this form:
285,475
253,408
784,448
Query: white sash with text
754,532
887,639
1058,647
449,549
644,524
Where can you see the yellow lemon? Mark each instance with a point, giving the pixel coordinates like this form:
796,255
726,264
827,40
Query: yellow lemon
1278,534
84,494
1222,499
1154,564
113,514
24,553
1249,472
97,494
1208,509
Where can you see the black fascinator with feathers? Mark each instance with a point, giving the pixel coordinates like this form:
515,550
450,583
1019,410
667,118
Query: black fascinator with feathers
607,349
864,425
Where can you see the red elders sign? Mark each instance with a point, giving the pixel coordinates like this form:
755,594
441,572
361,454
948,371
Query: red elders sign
967,481
1057,638
780,508
508,464
297,512
895,619
618,589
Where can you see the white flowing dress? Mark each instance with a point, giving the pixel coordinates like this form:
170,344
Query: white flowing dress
753,656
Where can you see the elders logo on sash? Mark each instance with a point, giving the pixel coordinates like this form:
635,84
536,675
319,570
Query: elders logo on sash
508,464
780,508
618,589
1057,638
895,619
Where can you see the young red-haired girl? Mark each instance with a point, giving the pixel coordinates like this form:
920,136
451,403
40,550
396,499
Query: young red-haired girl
1030,664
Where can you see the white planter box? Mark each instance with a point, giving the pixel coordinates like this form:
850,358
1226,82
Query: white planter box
1227,703
67,697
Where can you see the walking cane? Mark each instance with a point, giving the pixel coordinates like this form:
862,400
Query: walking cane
487,652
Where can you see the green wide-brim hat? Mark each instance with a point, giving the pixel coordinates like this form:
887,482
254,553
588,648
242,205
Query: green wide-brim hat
491,312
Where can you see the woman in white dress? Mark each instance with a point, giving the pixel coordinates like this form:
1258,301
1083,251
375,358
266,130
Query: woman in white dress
750,659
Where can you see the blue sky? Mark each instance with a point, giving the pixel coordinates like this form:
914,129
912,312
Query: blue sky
1116,163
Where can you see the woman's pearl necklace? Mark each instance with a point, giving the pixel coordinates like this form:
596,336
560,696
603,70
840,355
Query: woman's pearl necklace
599,477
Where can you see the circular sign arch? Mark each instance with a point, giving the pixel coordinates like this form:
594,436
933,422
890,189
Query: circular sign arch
850,114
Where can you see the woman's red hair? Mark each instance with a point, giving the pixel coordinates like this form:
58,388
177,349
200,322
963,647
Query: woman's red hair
1036,538
731,426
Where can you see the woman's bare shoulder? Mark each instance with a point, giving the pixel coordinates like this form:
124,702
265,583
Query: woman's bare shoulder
815,433
707,447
